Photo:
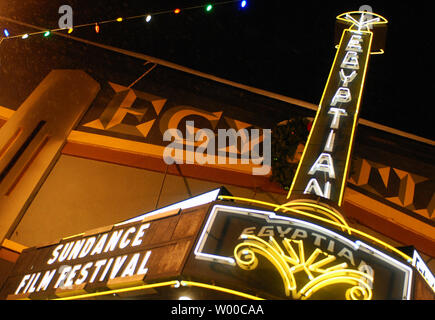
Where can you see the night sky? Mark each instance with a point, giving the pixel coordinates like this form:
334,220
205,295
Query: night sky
285,47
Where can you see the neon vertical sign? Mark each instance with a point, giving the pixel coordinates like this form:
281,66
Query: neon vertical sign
324,165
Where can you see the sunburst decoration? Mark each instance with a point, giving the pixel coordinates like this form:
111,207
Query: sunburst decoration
293,261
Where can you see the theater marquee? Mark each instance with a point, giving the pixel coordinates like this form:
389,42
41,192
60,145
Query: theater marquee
221,246
296,259
122,255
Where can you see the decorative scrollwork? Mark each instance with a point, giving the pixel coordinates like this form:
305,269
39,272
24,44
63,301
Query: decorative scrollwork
292,262
359,293
245,254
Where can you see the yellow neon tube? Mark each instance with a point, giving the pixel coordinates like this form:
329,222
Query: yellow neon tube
315,120
337,267
384,244
376,240
279,206
336,216
355,120
331,217
277,256
248,200
282,207
342,279
342,17
378,52
217,288
353,277
73,236
293,259
274,257
334,275
310,204
313,256
163,284
373,52
316,267
274,243
356,113
104,293
348,229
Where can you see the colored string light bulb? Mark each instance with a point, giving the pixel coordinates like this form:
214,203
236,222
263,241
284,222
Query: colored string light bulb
207,7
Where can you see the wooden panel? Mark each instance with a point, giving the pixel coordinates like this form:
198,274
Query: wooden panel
189,223
161,230
167,261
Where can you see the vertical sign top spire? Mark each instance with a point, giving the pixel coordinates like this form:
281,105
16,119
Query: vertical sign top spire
362,20
323,168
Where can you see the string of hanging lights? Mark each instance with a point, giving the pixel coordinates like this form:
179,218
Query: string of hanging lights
147,17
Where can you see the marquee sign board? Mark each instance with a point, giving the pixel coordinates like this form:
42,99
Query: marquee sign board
111,257
324,165
288,258
247,250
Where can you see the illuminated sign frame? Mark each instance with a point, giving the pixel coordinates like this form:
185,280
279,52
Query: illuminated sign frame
324,165
271,218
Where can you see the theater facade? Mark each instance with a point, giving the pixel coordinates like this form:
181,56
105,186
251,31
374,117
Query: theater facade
91,207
